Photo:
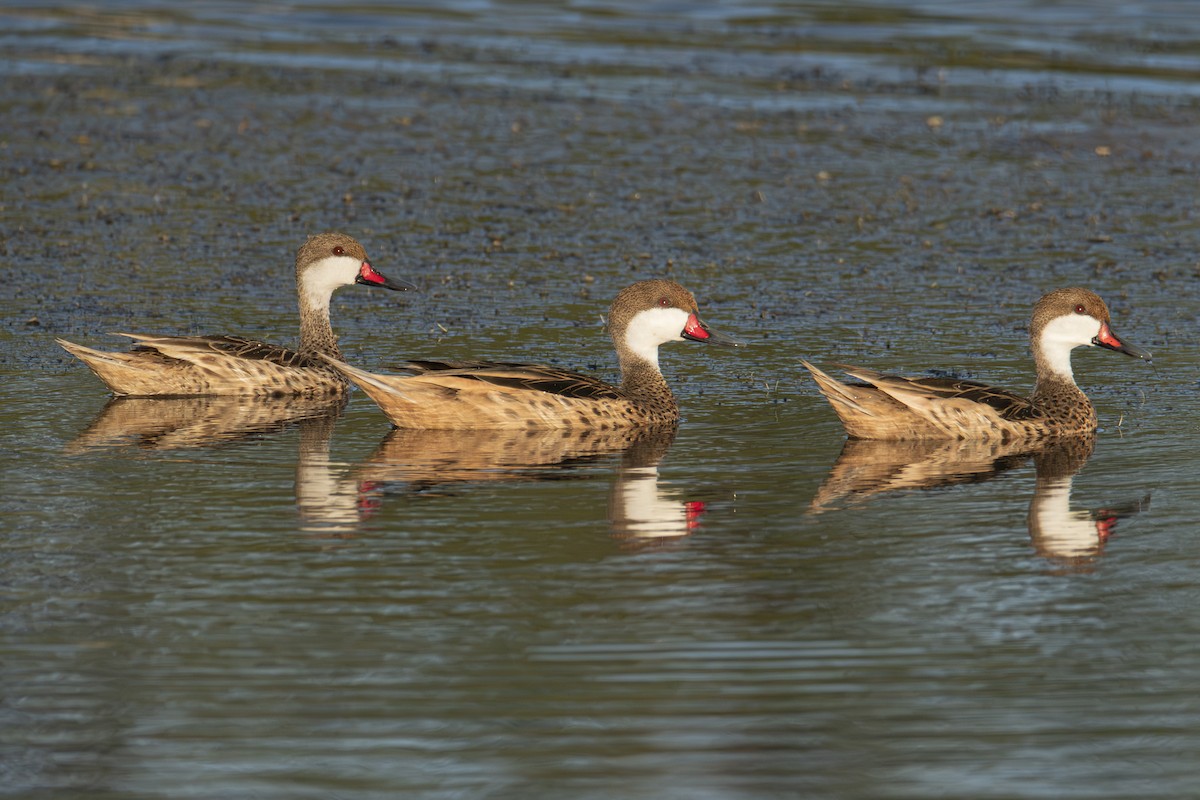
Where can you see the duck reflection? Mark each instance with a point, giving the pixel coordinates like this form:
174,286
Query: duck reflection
1072,538
867,467
333,498
329,504
432,459
435,462
155,423
640,510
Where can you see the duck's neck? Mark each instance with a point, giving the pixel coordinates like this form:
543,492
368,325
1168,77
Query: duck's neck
1056,392
1052,395
642,380
316,334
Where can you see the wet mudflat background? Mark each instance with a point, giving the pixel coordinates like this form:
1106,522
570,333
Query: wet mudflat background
213,600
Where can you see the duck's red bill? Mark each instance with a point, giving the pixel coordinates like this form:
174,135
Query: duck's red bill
697,331
367,275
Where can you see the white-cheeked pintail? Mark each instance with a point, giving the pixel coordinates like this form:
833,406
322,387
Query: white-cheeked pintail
229,365
890,407
478,394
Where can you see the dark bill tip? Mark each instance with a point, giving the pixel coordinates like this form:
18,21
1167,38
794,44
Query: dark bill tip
1112,343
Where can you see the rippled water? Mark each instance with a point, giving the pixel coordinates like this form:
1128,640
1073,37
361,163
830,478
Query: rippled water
214,599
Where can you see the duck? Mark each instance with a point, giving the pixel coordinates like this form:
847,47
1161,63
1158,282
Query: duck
452,395
881,406
175,366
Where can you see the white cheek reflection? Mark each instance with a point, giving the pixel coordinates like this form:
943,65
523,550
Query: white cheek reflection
327,496
1059,532
639,508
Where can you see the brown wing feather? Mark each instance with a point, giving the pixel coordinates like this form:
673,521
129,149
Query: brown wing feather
527,377
234,347
1008,405
418,366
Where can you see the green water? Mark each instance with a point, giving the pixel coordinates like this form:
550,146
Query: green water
221,600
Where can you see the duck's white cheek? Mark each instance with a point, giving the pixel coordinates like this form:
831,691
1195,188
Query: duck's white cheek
1064,334
1073,330
327,275
652,327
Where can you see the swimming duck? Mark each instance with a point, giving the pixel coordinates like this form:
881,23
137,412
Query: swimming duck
229,365
890,407
481,394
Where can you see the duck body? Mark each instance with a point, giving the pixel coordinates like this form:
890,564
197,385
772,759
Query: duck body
176,366
489,394
229,365
880,406
507,395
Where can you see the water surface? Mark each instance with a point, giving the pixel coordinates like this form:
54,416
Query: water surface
205,599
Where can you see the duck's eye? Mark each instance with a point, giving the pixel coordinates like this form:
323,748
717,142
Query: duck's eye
665,302
341,251
1079,309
